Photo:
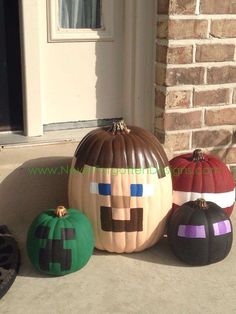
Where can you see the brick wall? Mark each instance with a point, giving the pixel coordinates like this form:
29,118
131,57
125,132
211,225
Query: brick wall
196,77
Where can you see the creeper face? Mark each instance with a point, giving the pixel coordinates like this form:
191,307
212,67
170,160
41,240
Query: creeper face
54,251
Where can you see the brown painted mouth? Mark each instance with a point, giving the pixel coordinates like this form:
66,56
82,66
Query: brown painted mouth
109,224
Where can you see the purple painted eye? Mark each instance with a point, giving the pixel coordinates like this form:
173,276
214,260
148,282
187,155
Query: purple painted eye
221,227
191,231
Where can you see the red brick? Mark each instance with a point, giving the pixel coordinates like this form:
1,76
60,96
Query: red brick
182,6
227,155
234,137
234,96
184,76
160,75
159,123
178,99
163,6
220,75
176,6
182,29
159,112
160,99
225,116
161,54
180,54
223,28
162,29
178,141
187,29
160,135
218,7
183,120
211,138
211,97
216,52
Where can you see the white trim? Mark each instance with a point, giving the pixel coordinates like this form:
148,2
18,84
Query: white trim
164,17
148,189
94,188
139,61
223,200
30,47
58,34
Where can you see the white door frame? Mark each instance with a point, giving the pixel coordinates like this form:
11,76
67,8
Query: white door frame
140,26
139,64
30,52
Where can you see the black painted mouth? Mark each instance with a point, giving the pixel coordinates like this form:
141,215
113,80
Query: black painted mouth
109,224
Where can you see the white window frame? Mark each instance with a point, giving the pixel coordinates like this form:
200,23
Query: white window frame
59,34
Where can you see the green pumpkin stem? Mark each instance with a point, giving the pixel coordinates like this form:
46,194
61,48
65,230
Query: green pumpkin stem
60,211
201,203
119,127
198,155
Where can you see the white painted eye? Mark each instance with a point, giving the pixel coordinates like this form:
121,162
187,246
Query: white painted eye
148,189
94,188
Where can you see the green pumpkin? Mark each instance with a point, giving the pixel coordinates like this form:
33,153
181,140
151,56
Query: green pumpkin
60,241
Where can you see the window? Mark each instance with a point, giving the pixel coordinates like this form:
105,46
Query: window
80,20
80,14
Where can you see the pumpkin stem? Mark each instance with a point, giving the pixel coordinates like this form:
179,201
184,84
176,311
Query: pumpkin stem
119,127
202,203
198,155
60,211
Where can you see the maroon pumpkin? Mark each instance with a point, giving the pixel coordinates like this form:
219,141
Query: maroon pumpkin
197,175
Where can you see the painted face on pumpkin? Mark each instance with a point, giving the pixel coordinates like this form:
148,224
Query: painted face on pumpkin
123,202
198,231
111,215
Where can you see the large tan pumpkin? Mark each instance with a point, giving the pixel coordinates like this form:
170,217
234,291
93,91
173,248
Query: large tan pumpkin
121,180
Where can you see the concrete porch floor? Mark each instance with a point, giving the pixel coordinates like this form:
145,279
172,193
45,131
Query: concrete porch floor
153,281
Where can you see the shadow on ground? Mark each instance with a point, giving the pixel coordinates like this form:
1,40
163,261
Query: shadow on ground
158,254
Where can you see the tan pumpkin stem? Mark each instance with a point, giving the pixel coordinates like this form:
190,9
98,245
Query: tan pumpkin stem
198,155
61,211
119,127
201,203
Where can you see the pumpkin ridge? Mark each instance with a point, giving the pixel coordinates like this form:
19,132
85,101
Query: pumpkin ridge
129,153
227,185
213,177
95,154
85,139
138,149
179,176
157,148
153,160
99,160
196,178
81,157
150,158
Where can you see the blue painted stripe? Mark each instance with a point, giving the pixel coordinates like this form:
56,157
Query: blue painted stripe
136,189
104,188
